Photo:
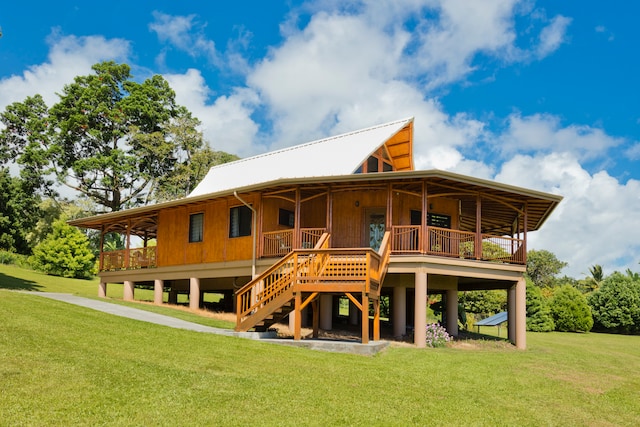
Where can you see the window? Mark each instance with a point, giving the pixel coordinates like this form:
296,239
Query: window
372,164
286,218
240,221
433,219
196,222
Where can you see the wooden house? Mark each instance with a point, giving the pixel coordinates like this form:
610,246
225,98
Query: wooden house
288,234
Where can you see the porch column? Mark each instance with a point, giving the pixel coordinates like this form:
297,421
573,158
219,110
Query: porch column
511,313
420,321
399,311
521,314
452,312
158,288
128,290
194,293
102,290
326,312
172,298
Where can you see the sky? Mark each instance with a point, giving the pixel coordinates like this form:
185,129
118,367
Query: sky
538,94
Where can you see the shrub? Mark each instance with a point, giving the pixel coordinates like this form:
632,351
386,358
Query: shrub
539,317
437,335
616,305
65,252
570,310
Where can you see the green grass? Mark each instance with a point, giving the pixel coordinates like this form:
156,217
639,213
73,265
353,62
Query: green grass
16,278
66,365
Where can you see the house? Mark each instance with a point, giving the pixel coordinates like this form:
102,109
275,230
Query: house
290,233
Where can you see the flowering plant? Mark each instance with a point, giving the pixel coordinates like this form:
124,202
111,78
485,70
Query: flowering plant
437,336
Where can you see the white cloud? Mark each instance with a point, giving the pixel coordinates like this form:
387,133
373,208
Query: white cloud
227,123
69,56
552,36
544,133
185,34
596,223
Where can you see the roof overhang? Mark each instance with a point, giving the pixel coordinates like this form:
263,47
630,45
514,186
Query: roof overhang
439,183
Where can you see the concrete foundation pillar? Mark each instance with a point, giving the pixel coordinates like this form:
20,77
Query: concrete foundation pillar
158,289
194,293
420,321
102,290
292,321
172,298
511,314
129,286
521,314
399,319
452,312
326,312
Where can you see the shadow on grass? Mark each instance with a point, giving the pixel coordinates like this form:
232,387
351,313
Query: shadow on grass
9,282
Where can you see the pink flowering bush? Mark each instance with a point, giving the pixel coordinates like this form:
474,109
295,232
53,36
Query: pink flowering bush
437,335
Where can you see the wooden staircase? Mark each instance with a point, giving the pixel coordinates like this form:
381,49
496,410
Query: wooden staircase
300,277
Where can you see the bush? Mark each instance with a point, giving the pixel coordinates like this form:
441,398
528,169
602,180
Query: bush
570,310
616,305
539,317
437,336
65,252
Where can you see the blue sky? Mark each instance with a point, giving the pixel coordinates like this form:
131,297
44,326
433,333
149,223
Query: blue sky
540,94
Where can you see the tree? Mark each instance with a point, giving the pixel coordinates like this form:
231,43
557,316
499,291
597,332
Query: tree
539,317
19,213
570,310
542,267
108,137
65,252
616,305
484,303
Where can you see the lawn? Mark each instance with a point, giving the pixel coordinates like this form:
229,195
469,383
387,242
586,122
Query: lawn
67,365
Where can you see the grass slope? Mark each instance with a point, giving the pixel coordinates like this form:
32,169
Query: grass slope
67,365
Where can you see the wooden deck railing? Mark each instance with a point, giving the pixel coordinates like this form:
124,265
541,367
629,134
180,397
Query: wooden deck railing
281,242
128,259
406,239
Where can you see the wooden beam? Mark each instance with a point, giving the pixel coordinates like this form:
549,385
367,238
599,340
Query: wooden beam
354,300
306,302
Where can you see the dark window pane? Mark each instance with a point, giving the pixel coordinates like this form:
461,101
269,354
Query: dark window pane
240,221
196,222
372,164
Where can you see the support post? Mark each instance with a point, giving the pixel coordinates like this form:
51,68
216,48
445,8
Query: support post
365,318
420,321
102,290
326,312
158,288
376,319
521,314
316,317
194,293
297,333
128,290
511,313
452,312
399,311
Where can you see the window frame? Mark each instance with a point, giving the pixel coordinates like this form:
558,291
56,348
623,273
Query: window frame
193,238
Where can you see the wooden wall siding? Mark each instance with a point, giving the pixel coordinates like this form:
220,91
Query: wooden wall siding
313,213
399,148
270,213
348,229
403,204
216,246
442,205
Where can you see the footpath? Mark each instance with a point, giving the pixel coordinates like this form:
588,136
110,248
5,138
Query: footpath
172,322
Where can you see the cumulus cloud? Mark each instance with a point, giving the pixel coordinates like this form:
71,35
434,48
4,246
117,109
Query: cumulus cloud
226,123
545,133
552,36
184,33
596,223
69,56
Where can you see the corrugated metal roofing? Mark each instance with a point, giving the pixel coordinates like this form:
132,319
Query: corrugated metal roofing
337,155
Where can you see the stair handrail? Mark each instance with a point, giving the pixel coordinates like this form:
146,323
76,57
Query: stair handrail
296,259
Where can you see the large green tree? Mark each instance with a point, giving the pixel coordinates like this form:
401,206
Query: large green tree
570,310
19,213
543,267
109,137
616,304
539,317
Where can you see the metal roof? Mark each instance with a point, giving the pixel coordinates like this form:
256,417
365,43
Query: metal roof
337,155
